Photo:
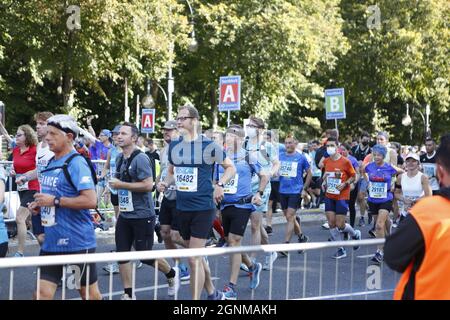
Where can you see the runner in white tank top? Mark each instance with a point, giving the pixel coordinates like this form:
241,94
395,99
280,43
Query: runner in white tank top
411,185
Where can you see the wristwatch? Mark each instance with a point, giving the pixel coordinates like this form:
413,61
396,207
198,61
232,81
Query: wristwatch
261,193
57,201
220,184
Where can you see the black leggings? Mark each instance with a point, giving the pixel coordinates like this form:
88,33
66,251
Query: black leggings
3,249
351,205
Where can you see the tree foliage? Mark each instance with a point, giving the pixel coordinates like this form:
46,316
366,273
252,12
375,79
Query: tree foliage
286,51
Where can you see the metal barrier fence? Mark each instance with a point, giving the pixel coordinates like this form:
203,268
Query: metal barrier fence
312,275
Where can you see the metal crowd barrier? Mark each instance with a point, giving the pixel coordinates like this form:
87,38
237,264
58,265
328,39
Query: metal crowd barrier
310,276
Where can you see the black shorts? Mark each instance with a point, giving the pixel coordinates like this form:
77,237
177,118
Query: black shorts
115,199
197,224
38,228
289,201
235,220
168,214
54,273
135,232
26,197
375,207
316,183
275,191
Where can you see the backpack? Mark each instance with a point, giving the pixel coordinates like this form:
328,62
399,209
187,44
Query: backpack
66,170
126,175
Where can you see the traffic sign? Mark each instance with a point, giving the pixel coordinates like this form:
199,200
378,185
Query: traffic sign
335,104
148,121
230,93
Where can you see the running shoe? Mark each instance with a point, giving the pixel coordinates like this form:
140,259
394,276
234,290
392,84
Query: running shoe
244,268
326,226
112,267
302,239
372,233
222,243
125,296
255,272
174,283
357,236
341,253
269,260
229,293
184,272
377,258
217,295
269,230
19,255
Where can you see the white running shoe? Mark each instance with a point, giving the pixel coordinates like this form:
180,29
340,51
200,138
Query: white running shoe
326,226
269,260
174,283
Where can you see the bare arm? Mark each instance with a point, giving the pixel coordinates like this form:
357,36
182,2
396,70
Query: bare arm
398,191
308,178
107,165
426,186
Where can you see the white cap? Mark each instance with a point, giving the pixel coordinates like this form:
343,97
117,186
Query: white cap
413,155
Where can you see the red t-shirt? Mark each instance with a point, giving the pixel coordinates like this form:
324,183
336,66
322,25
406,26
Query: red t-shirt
26,162
345,168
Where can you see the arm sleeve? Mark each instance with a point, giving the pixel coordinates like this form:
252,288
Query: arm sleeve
143,167
402,246
81,174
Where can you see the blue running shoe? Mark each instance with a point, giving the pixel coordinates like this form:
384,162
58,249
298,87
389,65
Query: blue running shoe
184,272
357,237
229,293
255,272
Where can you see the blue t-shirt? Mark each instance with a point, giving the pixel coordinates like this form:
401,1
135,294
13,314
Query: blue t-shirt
380,182
3,230
292,167
354,162
193,163
73,230
241,185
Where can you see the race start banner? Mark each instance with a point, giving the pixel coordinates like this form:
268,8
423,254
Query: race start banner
335,104
230,93
148,121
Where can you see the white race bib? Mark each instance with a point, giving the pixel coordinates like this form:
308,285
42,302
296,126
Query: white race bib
378,190
186,179
288,169
429,169
231,186
332,184
48,215
22,187
125,201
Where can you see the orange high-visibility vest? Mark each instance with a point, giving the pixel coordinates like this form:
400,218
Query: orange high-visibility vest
432,280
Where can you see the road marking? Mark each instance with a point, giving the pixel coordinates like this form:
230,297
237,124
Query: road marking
366,256
143,289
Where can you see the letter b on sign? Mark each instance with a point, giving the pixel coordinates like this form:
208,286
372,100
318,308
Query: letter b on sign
334,104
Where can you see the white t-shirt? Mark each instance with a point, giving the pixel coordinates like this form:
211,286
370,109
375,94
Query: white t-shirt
43,156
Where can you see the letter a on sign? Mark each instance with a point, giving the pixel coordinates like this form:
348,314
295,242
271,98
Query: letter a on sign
230,93
148,121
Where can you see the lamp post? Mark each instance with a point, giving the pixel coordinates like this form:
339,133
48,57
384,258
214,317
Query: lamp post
193,46
407,120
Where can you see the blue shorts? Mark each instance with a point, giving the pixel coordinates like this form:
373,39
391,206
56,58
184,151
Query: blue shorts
337,206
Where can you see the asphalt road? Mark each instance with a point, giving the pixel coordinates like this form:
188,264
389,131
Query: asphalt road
324,277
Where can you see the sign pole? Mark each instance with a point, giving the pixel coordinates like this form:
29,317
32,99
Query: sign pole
228,120
336,125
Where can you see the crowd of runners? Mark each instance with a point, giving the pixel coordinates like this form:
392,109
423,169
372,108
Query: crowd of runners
198,182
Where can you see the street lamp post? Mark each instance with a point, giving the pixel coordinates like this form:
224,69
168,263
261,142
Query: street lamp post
193,46
407,120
